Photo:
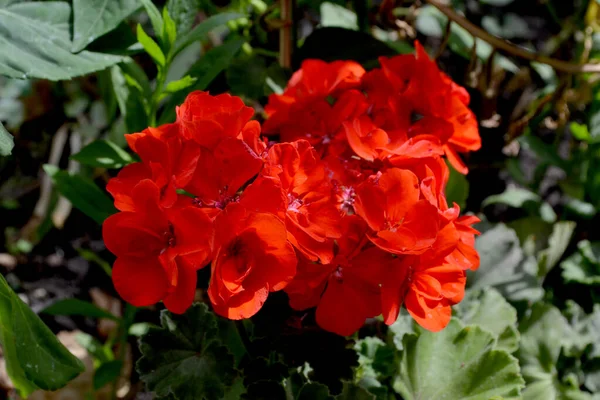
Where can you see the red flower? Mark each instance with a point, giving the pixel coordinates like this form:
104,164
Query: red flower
391,204
312,220
304,110
252,258
427,291
166,159
346,291
158,251
207,119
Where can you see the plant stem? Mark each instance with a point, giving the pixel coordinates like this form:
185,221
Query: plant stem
510,48
128,318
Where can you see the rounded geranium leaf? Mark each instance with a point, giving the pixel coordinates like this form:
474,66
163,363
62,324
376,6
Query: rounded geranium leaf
489,310
184,358
456,363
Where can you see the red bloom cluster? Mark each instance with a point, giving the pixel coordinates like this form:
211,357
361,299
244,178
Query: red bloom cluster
347,213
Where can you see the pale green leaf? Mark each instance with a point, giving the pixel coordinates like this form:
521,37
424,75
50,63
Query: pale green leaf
337,15
525,199
490,311
6,141
505,266
457,189
94,18
456,363
557,244
36,42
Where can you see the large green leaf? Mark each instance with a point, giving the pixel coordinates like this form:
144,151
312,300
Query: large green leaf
456,363
184,358
543,334
94,18
36,43
34,356
505,267
525,199
490,311
584,265
82,193
6,141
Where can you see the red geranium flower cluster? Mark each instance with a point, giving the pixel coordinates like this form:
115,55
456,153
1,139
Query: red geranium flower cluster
346,213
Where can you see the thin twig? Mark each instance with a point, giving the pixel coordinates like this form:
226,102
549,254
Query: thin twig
445,41
510,48
285,34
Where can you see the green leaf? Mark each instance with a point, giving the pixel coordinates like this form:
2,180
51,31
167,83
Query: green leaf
36,42
155,17
83,193
580,132
543,333
131,90
31,350
151,47
314,391
586,332
457,189
107,373
351,391
432,22
203,29
94,18
456,363
183,358
181,84
525,199
205,70
505,267
338,16
404,325
78,307
557,244
584,265
6,141
103,154
184,13
490,311
170,29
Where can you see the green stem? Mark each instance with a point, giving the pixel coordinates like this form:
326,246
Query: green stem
128,318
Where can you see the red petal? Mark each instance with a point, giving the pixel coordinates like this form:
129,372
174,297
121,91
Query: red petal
183,295
140,281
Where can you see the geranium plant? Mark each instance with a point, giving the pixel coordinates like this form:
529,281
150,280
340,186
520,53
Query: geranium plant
279,207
